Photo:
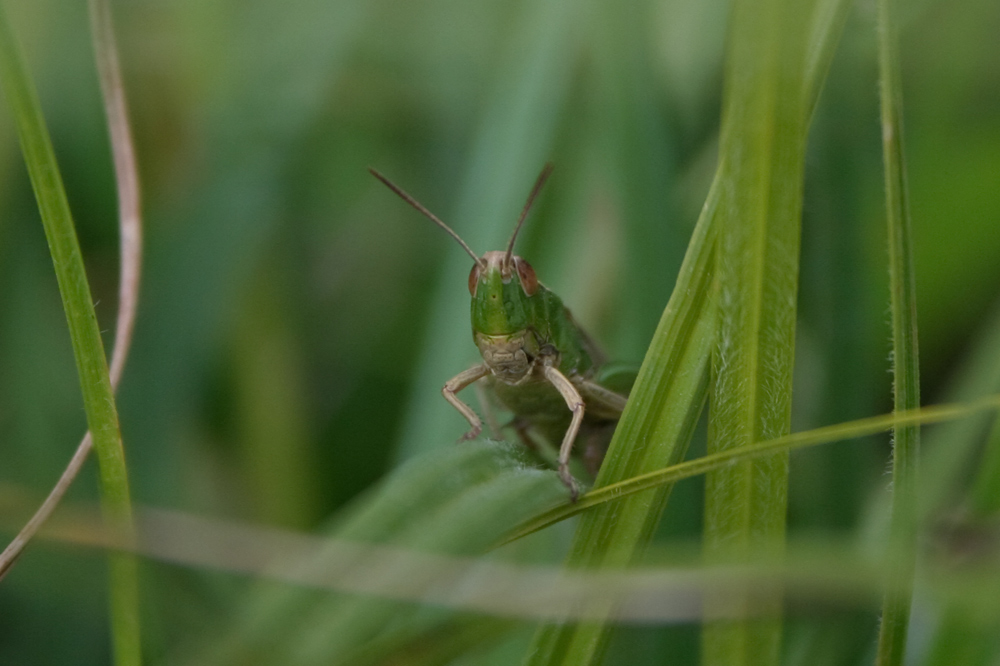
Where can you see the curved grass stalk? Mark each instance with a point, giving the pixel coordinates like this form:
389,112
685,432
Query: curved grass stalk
130,233
97,381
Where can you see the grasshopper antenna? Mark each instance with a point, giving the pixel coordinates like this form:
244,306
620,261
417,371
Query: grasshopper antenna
433,218
542,177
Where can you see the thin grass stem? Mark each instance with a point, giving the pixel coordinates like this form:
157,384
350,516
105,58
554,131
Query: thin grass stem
906,370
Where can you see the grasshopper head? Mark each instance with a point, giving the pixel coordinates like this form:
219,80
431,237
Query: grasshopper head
502,288
501,292
502,285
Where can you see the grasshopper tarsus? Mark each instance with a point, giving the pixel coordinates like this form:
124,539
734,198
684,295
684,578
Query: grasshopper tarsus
569,482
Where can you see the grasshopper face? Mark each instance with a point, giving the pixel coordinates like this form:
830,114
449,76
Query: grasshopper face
509,306
503,307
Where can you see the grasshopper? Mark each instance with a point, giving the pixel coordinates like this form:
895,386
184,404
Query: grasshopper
540,364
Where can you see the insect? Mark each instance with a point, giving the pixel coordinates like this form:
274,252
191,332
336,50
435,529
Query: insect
540,364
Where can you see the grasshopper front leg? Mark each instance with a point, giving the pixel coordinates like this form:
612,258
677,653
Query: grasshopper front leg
575,403
456,384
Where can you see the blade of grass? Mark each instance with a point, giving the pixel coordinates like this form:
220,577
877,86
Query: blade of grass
906,369
130,233
762,150
663,588
126,179
661,413
717,461
88,350
655,429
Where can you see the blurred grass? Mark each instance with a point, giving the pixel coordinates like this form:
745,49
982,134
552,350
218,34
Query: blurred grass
268,240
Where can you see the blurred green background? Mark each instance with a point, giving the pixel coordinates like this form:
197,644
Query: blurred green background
297,320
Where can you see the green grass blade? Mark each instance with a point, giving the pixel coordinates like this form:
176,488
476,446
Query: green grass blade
664,405
762,151
906,370
717,461
665,401
130,253
88,350
826,24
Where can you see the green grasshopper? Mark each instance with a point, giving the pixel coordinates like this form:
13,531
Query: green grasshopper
538,362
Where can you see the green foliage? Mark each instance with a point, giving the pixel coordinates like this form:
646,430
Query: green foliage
296,323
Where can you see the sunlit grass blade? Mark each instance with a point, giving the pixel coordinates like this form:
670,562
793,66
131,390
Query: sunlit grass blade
762,151
906,367
666,398
416,488
716,461
662,411
664,586
88,350
826,24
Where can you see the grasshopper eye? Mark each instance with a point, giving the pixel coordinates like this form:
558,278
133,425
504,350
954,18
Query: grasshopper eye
529,281
474,278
